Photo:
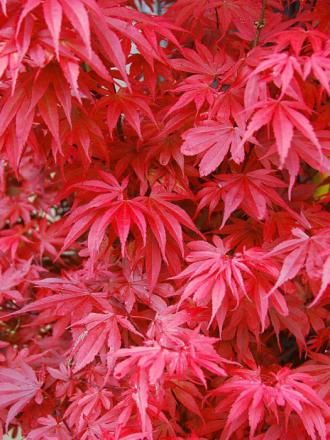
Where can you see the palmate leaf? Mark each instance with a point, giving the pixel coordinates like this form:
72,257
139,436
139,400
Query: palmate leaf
18,387
202,62
225,281
199,355
304,251
132,107
212,275
253,191
151,220
284,117
304,150
253,394
215,141
230,14
51,428
90,21
97,330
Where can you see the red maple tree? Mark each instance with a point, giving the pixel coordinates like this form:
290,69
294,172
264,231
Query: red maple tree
164,221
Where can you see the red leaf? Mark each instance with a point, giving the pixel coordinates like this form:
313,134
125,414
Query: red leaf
53,18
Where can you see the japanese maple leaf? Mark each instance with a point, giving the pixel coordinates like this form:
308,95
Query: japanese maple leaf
213,141
220,279
186,11
59,23
131,106
34,91
243,326
243,233
108,206
53,11
264,273
164,216
166,148
10,280
18,387
136,402
254,395
189,349
284,117
14,106
84,133
228,105
282,66
116,423
304,149
48,238
322,337
140,67
298,38
295,321
11,240
319,368
65,380
212,276
111,207
202,63
210,196
12,209
139,28
229,13
319,64
253,191
187,394
321,13
192,90
131,284
87,405
49,428
72,302
304,251
94,332
325,281
87,19
167,324
14,47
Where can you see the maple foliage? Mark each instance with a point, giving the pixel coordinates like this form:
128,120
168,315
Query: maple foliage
164,219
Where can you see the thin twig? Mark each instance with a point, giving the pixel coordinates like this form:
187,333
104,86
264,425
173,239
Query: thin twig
120,130
217,18
260,23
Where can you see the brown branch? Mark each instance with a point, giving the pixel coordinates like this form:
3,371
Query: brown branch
120,130
260,23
